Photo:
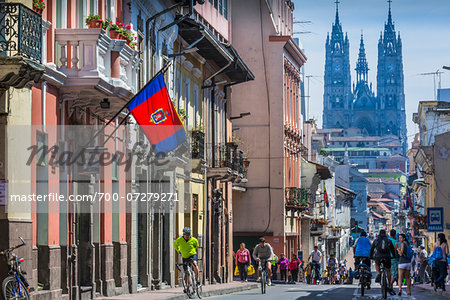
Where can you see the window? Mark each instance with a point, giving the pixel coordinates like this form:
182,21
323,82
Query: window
196,107
187,97
225,9
178,83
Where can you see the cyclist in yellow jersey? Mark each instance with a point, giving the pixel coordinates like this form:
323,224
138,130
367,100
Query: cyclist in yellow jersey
187,246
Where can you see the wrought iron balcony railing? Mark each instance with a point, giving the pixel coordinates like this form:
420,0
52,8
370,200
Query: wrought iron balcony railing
198,144
296,196
20,32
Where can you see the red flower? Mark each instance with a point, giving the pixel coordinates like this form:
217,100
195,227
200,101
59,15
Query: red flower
128,27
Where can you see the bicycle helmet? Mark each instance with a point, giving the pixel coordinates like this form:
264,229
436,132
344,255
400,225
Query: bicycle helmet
187,230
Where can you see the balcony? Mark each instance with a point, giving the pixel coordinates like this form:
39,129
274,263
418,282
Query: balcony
20,46
317,229
198,144
296,198
96,67
230,164
334,233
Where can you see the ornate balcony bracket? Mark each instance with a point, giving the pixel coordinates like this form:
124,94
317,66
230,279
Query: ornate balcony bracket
19,72
223,174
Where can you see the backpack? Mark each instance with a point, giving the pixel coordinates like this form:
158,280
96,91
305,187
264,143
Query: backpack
383,245
409,252
437,253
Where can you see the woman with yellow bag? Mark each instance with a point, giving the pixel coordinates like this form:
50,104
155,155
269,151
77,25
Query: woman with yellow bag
243,260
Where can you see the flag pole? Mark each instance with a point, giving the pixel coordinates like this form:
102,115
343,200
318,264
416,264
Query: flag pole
163,69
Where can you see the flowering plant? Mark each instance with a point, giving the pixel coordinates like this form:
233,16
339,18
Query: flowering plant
116,26
106,23
134,45
319,221
39,4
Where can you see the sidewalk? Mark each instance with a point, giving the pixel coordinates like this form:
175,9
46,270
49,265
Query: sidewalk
177,293
430,289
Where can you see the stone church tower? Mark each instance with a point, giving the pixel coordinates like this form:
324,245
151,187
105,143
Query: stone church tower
337,90
380,115
390,83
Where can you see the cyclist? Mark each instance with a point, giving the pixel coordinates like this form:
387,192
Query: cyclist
264,252
384,248
361,252
187,246
316,258
331,266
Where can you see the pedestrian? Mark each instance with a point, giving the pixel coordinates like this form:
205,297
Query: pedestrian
404,263
243,259
274,267
440,261
293,268
283,262
423,261
394,260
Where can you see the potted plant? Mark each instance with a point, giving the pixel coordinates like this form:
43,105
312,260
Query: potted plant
94,21
106,23
38,6
114,30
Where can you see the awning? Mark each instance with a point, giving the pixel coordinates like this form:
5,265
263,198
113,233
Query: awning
210,48
323,171
346,191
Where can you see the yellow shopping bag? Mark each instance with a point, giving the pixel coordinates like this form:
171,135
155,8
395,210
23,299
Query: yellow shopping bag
251,270
236,271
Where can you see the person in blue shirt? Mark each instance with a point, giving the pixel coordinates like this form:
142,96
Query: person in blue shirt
361,250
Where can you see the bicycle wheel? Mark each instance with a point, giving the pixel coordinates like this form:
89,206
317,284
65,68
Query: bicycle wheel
198,287
193,283
10,288
383,285
263,282
362,283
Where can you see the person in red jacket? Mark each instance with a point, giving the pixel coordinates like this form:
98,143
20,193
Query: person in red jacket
243,260
294,265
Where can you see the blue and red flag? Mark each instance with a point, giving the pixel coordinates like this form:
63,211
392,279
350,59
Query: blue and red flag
325,197
154,112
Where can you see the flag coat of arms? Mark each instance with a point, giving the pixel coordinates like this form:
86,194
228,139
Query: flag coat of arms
155,113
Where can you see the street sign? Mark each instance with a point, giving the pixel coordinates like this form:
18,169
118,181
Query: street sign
435,219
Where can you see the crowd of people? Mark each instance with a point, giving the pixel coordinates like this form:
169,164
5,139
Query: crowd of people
285,269
401,262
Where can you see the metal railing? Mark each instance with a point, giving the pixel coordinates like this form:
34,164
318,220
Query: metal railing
230,156
296,196
20,32
198,144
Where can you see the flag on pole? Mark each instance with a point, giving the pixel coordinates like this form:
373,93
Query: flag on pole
325,197
154,112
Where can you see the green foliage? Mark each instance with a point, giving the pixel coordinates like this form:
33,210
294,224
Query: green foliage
92,17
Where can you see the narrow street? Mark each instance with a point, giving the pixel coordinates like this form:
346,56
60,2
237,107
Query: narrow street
337,292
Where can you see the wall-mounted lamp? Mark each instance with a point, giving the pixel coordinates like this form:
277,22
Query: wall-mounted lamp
105,104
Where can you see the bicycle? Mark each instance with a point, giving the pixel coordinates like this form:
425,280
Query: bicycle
190,286
15,286
383,282
331,275
364,277
315,274
263,273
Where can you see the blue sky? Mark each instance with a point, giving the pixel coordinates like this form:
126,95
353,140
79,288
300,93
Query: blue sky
424,27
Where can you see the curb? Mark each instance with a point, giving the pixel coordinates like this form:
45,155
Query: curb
439,293
218,292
